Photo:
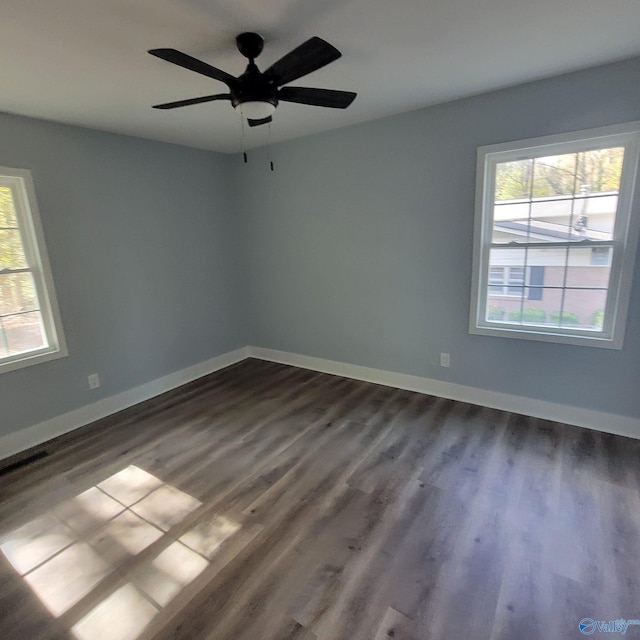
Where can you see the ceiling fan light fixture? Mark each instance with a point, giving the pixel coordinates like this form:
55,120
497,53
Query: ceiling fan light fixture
256,109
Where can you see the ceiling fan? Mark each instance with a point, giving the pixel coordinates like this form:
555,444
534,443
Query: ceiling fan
256,93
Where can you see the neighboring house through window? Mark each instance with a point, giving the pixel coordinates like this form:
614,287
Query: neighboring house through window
555,237
30,327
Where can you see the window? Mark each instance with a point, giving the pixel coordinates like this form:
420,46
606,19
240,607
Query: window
555,237
30,328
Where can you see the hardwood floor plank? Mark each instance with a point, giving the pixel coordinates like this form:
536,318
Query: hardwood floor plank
397,627
265,501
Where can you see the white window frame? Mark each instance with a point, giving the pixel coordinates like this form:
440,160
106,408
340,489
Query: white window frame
624,243
21,184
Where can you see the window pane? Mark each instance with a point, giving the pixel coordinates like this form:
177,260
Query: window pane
554,175
551,221
552,260
515,281
11,251
496,280
513,180
7,208
528,314
494,313
581,270
601,169
583,309
546,275
510,222
506,257
536,282
17,293
506,275
22,332
548,299
595,216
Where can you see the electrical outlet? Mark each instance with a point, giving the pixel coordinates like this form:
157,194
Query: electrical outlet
94,381
445,360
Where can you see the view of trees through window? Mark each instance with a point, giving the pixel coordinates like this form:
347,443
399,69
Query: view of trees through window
21,327
553,223
565,174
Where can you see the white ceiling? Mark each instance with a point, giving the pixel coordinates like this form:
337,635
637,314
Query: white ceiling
84,62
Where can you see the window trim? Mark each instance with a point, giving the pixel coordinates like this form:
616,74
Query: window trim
29,223
624,242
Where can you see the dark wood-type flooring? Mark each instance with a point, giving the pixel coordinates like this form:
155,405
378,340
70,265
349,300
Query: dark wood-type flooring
266,502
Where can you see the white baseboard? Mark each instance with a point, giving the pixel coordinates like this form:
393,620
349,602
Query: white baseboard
39,433
607,422
31,436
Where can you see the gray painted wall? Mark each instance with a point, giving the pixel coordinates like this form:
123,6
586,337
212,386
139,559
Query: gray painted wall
141,240
358,246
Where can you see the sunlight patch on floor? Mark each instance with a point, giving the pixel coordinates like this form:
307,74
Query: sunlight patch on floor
97,504
206,537
67,577
66,553
130,485
165,576
121,616
126,535
166,506
37,541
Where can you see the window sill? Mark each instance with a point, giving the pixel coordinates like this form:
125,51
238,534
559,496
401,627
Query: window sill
598,341
32,358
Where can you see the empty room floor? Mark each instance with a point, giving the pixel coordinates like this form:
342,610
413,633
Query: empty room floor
266,502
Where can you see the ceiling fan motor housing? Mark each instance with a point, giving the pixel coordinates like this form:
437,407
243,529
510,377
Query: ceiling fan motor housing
253,86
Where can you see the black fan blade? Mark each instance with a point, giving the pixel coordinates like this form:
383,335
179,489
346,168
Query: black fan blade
255,123
193,64
186,103
317,97
309,56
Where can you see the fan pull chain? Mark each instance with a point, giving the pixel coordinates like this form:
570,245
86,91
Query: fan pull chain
244,153
269,147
